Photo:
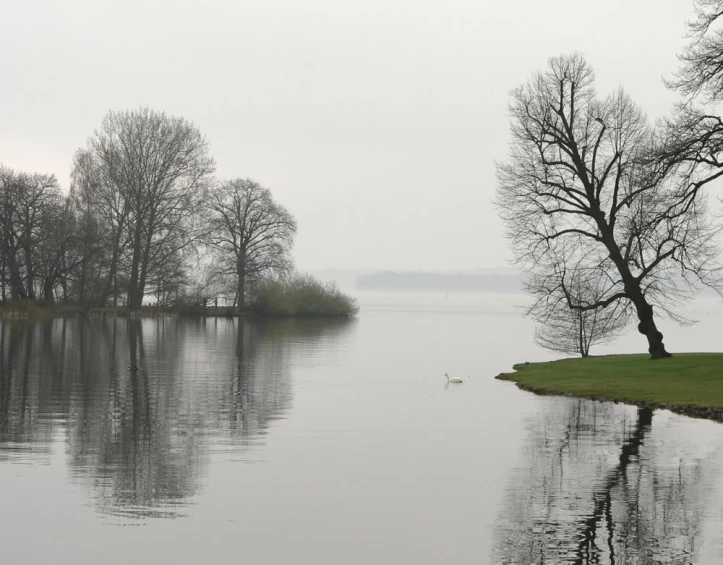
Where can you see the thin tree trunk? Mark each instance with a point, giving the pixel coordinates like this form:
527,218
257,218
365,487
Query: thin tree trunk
241,271
81,290
133,292
111,283
3,272
48,295
64,286
30,279
145,260
17,290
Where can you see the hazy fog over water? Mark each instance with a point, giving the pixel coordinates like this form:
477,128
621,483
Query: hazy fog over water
376,124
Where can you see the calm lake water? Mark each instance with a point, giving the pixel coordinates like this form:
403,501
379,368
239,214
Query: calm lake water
294,441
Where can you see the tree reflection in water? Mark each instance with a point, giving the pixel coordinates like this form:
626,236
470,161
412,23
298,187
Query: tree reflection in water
600,487
140,438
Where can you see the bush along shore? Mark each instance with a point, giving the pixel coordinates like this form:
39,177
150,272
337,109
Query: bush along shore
302,295
296,296
689,383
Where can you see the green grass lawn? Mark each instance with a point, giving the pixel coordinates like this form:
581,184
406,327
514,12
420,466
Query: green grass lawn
693,380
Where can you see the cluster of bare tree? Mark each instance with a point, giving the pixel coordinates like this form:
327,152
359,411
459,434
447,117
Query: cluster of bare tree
36,222
604,210
142,205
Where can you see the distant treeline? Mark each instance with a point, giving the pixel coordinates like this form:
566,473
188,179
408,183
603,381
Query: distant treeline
145,221
440,282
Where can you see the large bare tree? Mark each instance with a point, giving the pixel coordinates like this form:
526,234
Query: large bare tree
575,186
252,232
147,173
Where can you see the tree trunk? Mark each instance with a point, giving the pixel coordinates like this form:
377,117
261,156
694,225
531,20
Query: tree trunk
145,259
644,310
241,271
48,295
111,282
82,281
64,286
17,289
142,285
134,299
581,334
242,290
3,272
648,328
30,280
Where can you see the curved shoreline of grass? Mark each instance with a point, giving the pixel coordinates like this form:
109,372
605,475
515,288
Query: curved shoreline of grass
688,383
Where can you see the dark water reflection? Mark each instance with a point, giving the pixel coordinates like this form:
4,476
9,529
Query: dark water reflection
601,485
307,442
139,439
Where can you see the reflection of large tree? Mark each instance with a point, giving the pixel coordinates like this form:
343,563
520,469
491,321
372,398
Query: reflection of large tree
598,488
141,437
260,387
129,433
23,390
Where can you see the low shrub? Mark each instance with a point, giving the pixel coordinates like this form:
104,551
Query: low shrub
301,295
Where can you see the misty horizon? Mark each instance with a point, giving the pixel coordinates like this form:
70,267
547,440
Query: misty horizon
383,114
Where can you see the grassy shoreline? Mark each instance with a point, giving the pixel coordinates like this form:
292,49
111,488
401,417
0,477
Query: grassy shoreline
688,383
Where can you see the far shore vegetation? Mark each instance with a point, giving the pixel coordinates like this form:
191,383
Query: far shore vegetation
302,295
688,383
298,295
145,228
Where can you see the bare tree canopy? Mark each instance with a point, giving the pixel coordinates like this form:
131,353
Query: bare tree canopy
252,233
573,331
575,186
691,140
145,174
30,205
142,208
701,71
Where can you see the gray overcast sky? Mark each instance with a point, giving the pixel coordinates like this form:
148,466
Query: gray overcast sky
375,122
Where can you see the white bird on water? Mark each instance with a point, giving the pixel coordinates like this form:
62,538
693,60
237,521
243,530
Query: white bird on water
457,380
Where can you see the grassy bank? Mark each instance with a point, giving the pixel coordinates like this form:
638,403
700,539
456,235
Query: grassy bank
688,383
